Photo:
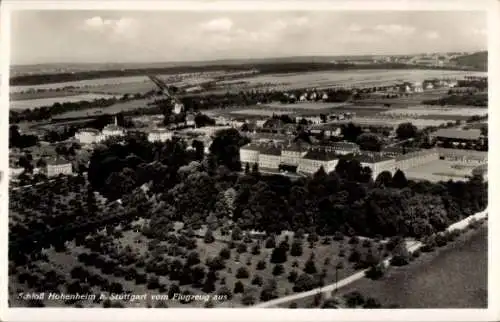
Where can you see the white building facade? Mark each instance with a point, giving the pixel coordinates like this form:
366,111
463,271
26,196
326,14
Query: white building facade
59,167
89,136
160,135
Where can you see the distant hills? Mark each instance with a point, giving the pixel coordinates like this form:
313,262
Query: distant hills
53,73
477,60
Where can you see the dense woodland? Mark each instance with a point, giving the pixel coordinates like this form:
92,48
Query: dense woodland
195,191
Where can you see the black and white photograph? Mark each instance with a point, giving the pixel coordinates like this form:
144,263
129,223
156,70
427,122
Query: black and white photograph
230,159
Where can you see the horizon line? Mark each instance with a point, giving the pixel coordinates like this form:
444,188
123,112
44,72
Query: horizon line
241,59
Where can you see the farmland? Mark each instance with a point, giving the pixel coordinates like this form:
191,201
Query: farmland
48,101
421,110
346,78
307,106
81,84
259,112
384,121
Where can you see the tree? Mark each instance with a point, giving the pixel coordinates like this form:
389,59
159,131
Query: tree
256,249
242,272
248,299
278,255
173,289
193,258
209,237
292,276
269,291
296,249
226,148
369,142
406,131
304,282
278,270
375,271
238,287
354,299
310,267
225,253
384,179
261,265
400,256
236,234
372,303
242,248
330,304
270,242
224,291
399,180
257,280
350,132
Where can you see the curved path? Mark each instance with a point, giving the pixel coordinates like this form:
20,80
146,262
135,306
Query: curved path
328,289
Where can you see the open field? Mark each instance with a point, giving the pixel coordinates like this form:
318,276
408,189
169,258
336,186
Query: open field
308,105
379,121
259,112
422,110
411,99
441,170
116,108
453,277
49,101
39,95
125,88
84,83
348,78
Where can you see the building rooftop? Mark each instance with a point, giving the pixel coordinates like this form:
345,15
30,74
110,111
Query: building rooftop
159,131
270,149
371,157
321,155
112,127
58,161
251,146
343,146
89,130
296,147
472,134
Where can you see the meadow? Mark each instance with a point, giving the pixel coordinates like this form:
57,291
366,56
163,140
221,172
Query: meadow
459,271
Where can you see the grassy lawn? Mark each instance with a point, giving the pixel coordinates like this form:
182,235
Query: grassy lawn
454,276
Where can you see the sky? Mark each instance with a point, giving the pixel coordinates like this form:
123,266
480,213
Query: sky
172,36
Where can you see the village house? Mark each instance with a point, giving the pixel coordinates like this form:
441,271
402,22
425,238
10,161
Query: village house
58,166
89,136
160,135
